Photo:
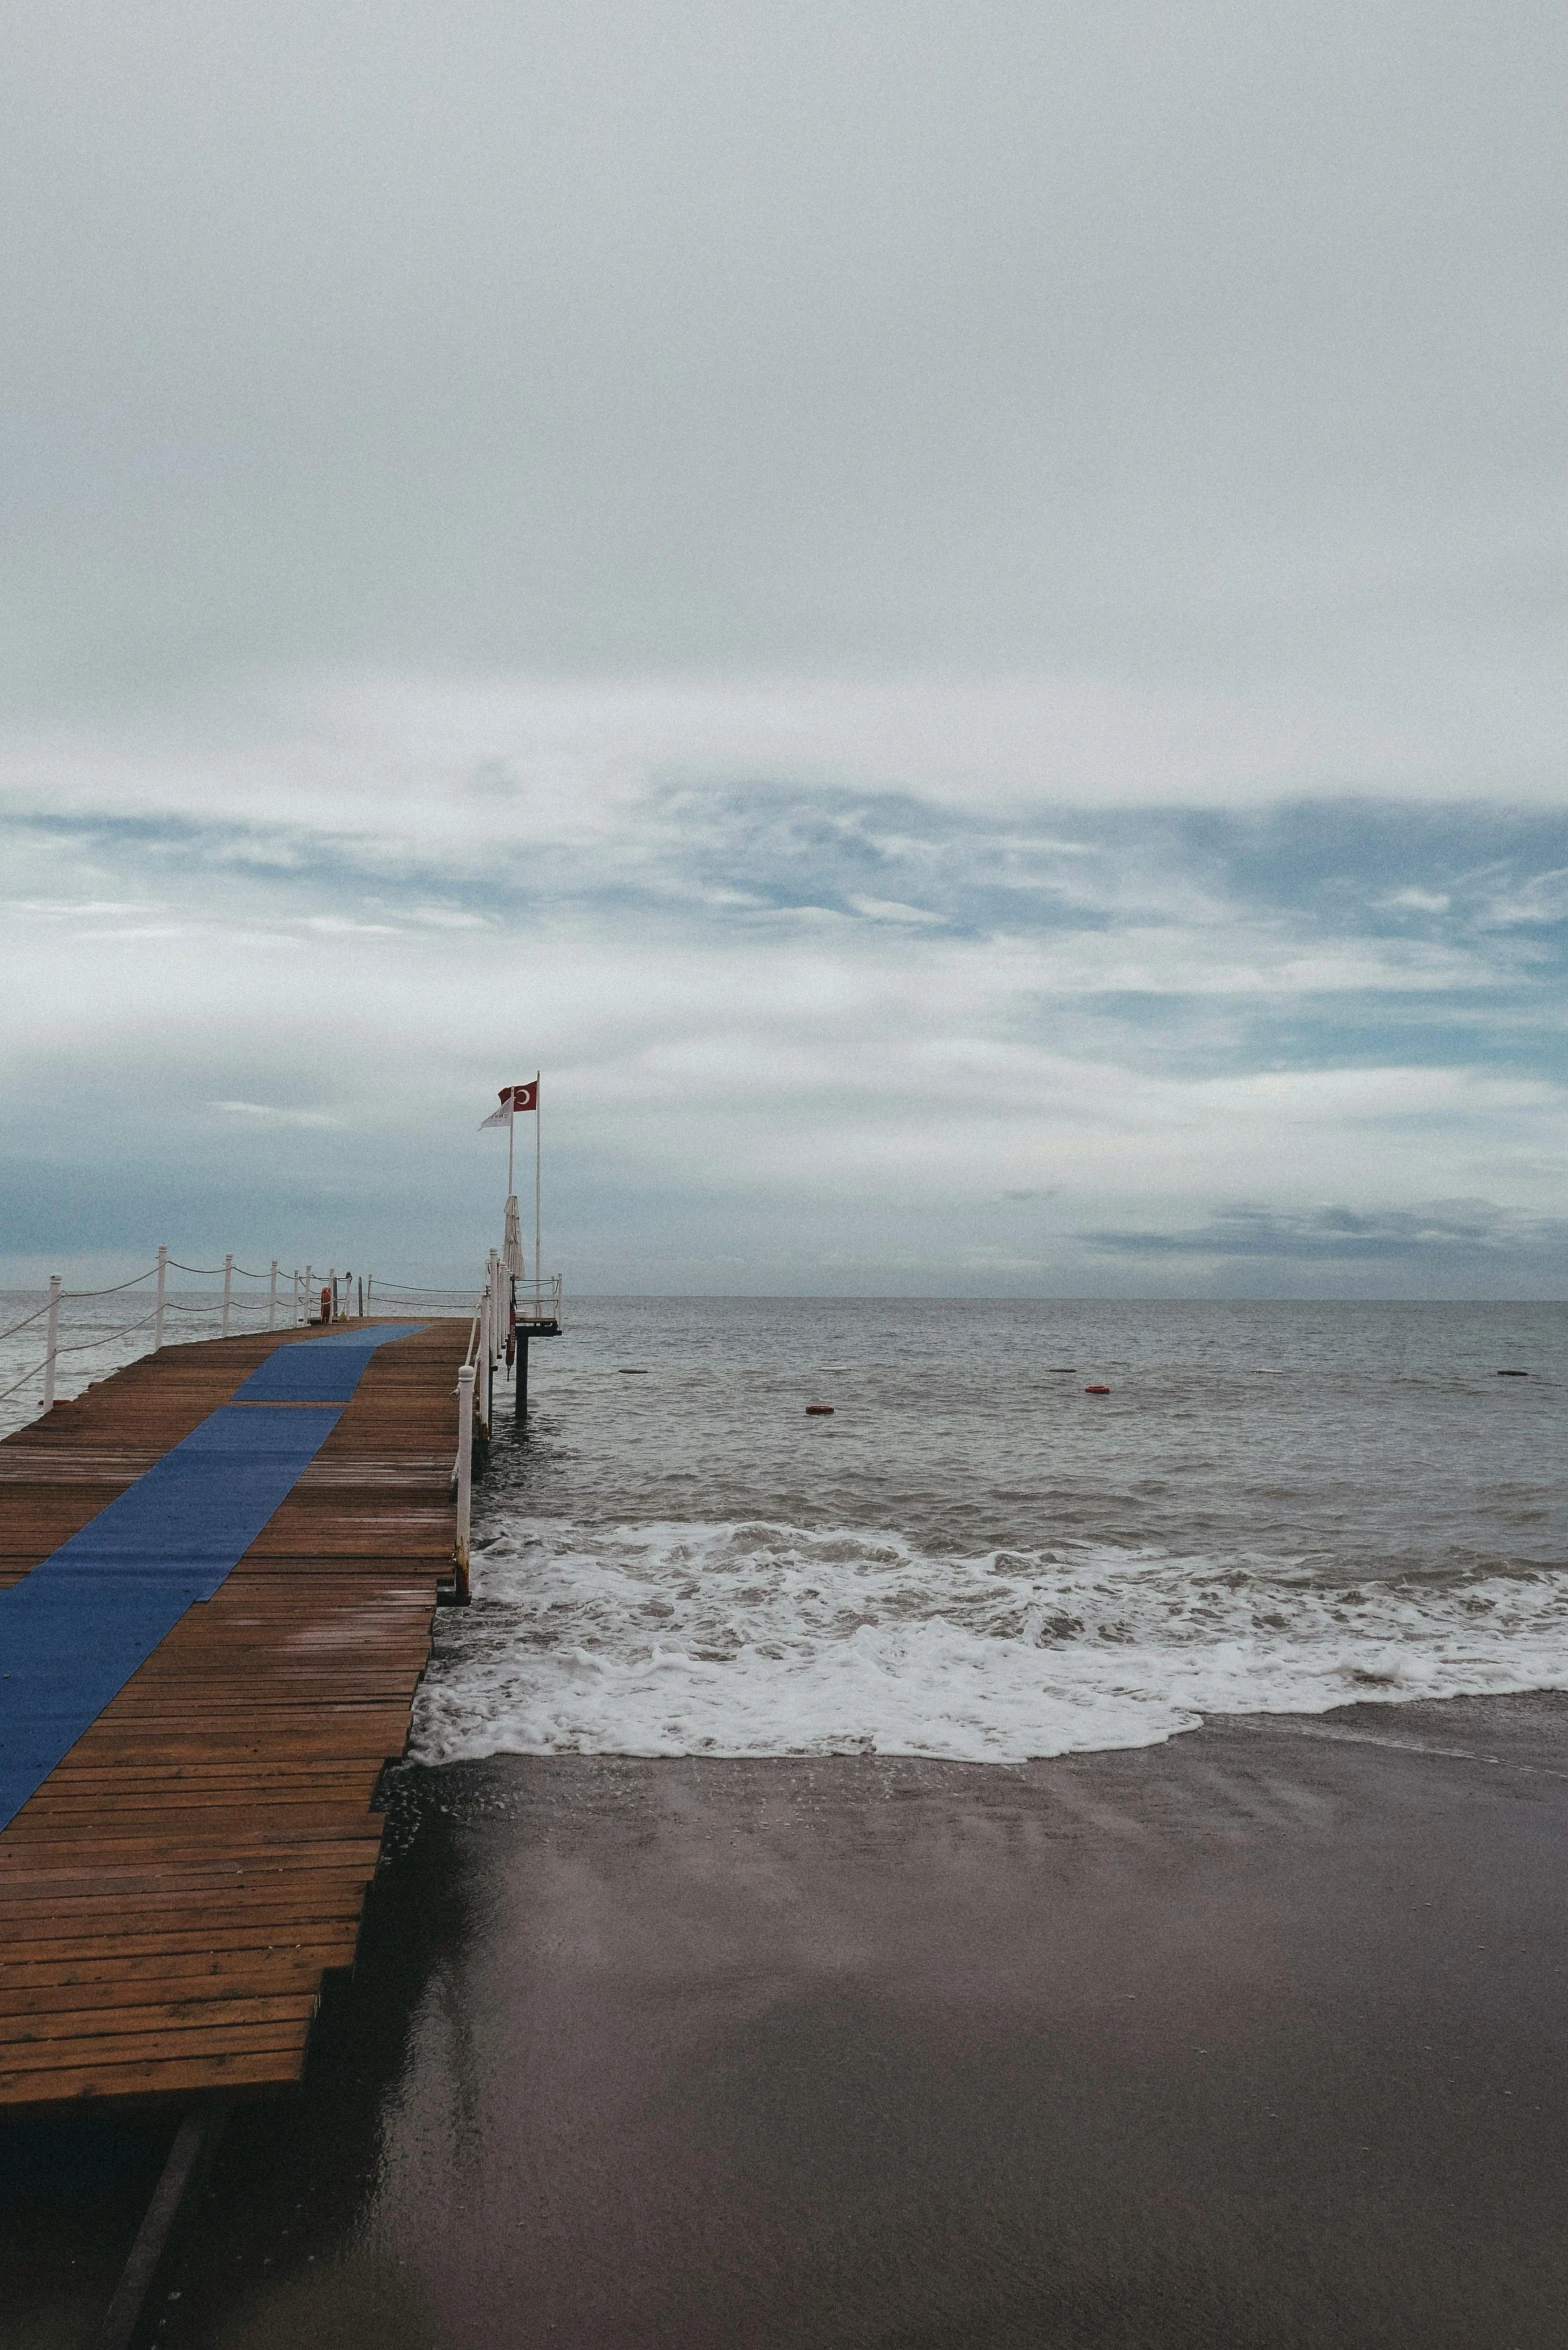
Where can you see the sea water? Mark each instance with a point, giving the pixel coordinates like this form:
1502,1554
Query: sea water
1275,1508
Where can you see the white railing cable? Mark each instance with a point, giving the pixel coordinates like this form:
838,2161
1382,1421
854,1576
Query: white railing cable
81,1346
83,1336
34,1317
411,1289
120,1330
463,1475
113,1290
114,1287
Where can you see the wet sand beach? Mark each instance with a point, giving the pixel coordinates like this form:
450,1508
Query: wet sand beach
1255,2038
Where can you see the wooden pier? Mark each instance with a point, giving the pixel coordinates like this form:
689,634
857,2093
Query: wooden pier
174,1892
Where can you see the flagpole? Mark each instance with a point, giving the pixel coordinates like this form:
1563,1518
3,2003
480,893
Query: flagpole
511,1129
538,1124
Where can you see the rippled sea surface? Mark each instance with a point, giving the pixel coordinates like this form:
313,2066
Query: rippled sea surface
1275,1507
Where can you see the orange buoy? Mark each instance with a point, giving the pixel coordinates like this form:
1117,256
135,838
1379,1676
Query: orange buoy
819,1411
1097,1391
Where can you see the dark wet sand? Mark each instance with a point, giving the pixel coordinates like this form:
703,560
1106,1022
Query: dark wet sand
1256,2039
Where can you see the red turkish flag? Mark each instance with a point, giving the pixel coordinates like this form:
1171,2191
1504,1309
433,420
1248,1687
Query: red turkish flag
513,1099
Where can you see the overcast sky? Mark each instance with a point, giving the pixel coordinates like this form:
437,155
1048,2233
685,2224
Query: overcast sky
952,615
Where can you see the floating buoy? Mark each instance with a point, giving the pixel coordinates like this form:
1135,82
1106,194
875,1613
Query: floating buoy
1513,1374
819,1411
1097,1391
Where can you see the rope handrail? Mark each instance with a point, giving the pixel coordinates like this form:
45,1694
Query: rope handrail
470,1360
114,1330
176,1266
119,1330
110,1328
67,1335
388,1289
114,1287
456,1304
26,1318
212,1304
410,1288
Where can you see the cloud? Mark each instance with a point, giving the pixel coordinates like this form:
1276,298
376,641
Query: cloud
272,1115
837,342
1542,897
1418,901
909,615
1135,1019
1445,1230
891,910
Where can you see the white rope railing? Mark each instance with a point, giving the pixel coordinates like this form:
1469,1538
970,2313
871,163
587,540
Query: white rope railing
113,1290
501,1312
294,1292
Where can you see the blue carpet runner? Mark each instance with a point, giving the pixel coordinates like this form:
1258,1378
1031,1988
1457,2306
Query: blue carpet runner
76,1628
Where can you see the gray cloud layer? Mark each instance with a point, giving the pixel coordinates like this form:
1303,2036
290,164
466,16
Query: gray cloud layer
798,1034
953,615
1215,342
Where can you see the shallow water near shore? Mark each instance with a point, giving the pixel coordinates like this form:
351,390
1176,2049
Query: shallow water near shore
1276,1508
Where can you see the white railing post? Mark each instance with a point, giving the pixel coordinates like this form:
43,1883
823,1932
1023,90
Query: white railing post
331,1287
163,1283
54,1338
465,1482
272,1297
228,1289
482,1365
309,1300
370,1287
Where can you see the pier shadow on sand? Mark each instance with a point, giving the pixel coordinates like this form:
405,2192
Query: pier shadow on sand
1256,2038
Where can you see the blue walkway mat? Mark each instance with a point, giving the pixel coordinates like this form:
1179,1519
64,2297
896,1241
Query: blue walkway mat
76,1628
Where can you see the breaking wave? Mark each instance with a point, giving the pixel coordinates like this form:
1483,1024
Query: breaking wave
752,1638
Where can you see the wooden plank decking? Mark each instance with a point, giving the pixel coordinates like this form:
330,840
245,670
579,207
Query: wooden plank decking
172,1895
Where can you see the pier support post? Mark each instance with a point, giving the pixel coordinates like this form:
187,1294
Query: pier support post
53,1340
163,1283
190,2159
465,1482
228,1289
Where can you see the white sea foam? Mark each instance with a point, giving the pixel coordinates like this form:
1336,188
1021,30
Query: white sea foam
758,1639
